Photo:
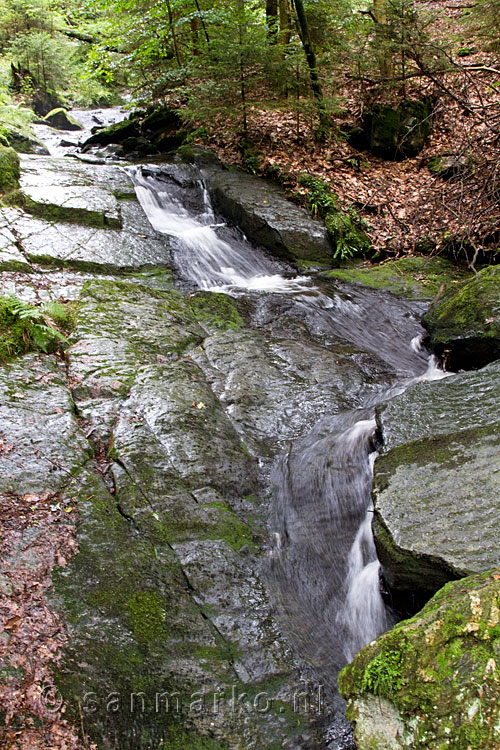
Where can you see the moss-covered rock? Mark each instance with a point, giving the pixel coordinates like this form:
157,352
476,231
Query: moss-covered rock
215,312
9,169
23,141
401,132
156,131
464,325
434,681
415,277
60,119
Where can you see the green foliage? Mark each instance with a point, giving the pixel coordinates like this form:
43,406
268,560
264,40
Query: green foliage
345,227
24,327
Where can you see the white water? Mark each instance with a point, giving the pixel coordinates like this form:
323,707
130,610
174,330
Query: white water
203,256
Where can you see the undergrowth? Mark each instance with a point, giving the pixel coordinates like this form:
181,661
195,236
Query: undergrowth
345,227
25,328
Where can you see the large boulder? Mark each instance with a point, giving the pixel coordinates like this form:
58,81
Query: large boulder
435,487
156,131
60,119
23,142
396,133
268,218
433,682
464,325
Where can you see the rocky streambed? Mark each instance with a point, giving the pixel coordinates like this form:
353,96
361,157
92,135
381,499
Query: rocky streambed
214,434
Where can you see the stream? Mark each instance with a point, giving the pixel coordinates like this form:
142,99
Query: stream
322,571
238,487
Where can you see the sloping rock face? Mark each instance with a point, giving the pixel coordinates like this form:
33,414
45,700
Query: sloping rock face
464,325
436,483
268,218
163,541
432,682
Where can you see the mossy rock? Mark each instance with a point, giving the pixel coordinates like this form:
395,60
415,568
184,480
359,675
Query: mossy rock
60,119
215,311
22,141
398,133
433,682
192,154
116,133
464,325
9,170
413,277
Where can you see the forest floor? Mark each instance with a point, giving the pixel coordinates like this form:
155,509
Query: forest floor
406,207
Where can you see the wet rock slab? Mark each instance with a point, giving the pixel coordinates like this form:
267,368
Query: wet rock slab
437,482
89,248
42,446
268,218
165,594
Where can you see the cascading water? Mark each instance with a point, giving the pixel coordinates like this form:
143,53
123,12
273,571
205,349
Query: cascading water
205,255
323,571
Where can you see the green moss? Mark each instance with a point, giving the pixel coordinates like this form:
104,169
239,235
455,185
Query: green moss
415,277
475,307
9,170
215,311
147,616
55,213
125,195
224,525
384,674
182,738
438,669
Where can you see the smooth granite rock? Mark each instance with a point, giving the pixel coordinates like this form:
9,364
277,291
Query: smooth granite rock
158,597
268,218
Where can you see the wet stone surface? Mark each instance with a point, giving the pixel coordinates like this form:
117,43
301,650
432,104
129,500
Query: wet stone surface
436,483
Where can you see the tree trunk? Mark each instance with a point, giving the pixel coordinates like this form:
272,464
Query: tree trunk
272,19
285,30
384,55
174,35
311,64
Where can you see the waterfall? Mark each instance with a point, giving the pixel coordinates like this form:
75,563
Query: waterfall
323,570
209,254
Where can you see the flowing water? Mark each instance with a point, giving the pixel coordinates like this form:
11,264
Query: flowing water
323,570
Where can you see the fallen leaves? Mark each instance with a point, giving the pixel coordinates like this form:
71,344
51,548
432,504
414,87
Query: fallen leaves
35,535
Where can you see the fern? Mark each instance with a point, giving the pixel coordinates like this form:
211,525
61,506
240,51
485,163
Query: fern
25,327
345,227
